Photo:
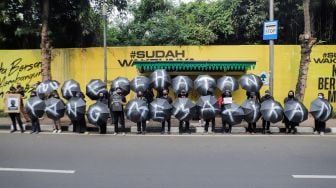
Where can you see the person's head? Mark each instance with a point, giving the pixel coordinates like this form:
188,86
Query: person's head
291,94
253,95
320,95
267,93
54,94
165,92
139,94
119,91
12,89
18,85
183,93
33,94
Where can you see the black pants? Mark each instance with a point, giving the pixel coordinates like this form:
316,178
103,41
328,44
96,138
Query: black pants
186,129
79,125
164,125
118,116
35,124
224,129
320,126
266,125
15,117
207,122
252,127
290,126
141,124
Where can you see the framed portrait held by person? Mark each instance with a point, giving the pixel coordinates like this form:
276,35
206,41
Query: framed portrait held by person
12,103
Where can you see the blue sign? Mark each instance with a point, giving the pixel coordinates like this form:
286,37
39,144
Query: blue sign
270,30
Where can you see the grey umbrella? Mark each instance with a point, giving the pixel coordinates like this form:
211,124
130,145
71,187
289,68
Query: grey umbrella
70,88
94,87
295,111
98,113
184,109
140,83
207,106
251,82
76,107
271,111
46,87
204,84
160,109
321,109
35,107
55,108
182,83
160,79
233,114
251,110
137,110
227,83
122,83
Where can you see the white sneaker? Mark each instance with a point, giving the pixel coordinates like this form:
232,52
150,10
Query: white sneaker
123,134
59,131
315,132
115,134
322,133
54,131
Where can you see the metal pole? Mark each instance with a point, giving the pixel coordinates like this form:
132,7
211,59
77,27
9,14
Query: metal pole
271,50
105,51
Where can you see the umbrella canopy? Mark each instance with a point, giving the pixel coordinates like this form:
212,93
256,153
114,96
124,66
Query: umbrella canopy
207,106
140,83
271,111
76,107
251,110
321,109
233,114
160,79
35,107
295,111
160,109
122,83
204,84
137,110
94,87
184,109
250,82
182,83
227,83
98,113
70,88
47,87
55,108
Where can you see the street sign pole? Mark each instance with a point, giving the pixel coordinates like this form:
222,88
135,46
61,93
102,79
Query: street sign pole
105,51
271,50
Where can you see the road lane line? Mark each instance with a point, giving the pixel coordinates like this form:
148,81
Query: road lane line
315,176
37,170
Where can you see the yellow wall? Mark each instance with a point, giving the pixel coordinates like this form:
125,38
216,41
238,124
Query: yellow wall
23,66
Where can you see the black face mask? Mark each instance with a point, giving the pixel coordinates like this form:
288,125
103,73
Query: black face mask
290,96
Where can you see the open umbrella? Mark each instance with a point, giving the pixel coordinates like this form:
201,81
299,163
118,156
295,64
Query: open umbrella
94,87
46,87
233,114
140,83
70,88
204,84
207,106
137,110
122,83
251,110
160,79
160,109
98,113
321,109
76,107
271,110
295,111
35,107
184,109
250,82
227,83
55,108
182,83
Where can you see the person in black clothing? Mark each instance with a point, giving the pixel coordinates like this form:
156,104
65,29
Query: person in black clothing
222,106
290,126
103,98
184,94
141,124
149,95
36,128
266,124
252,126
207,121
15,117
166,97
110,93
320,125
117,101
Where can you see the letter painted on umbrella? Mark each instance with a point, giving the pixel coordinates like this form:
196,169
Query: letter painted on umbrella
72,109
52,109
273,109
158,109
297,110
135,107
206,80
93,87
138,83
207,106
182,82
182,109
228,81
32,106
67,88
95,113
159,78
324,108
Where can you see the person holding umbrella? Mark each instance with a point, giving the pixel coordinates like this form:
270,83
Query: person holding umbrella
57,123
252,125
266,124
222,103
103,98
183,94
290,125
170,101
141,124
36,128
320,125
15,117
117,101
213,120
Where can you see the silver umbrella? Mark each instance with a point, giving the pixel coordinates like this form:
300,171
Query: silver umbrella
295,111
160,79
46,87
227,83
98,113
160,109
137,110
55,108
122,83
251,110
205,84
321,109
184,109
35,107
140,83
251,82
70,88
207,106
182,83
94,87
233,114
76,108
271,111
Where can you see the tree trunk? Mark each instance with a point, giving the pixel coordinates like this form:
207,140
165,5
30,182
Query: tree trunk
45,42
307,43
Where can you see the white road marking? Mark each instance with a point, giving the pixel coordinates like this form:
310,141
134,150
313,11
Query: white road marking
37,170
315,176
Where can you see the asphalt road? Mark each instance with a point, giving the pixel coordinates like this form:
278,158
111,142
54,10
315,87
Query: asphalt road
167,161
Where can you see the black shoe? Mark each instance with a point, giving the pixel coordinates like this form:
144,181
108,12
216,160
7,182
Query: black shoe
162,132
32,132
144,132
263,132
13,131
139,132
168,132
22,131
